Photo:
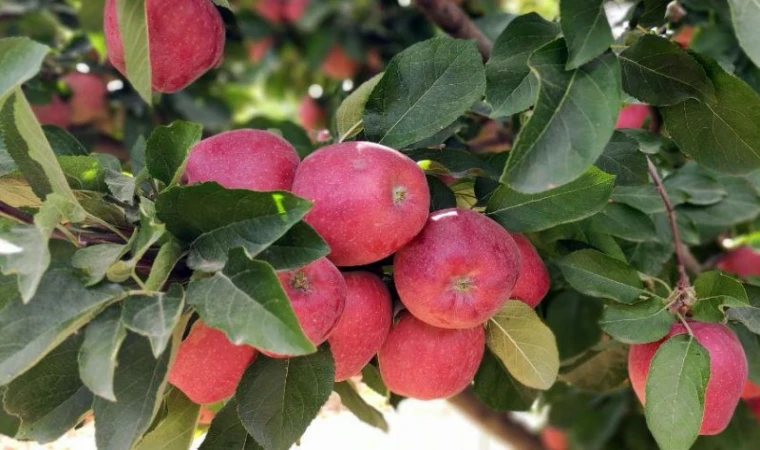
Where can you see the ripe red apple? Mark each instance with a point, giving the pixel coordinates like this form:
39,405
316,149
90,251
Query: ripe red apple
554,438
533,280
208,367
258,48
310,115
632,116
243,159
338,65
458,271
270,10
186,39
369,200
56,113
88,97
754,405
425,362
743,261
728,371
293,10
364,325
751,390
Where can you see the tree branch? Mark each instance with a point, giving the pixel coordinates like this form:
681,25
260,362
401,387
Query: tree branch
500,425
455,22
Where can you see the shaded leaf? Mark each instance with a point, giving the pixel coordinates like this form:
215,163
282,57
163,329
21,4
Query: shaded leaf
97,355
95,261
586,30
167,148
745,16
603,371
574,320
227,432
624,222
177,429
154,316
350,113
623,159
20,60
646,321
358,406
598,275
495,387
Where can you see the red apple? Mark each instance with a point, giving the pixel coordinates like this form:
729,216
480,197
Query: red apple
88,97
742,261
56,113
458,271
243,159
364,325
205,415
270,10
294,9
186,39
208,367
754,405
684,36
751,390
632,116
310,115
369,200
554,438
425,362
728,371
338,65
533,280
257,49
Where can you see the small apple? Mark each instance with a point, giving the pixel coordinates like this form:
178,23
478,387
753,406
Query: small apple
533,281
56,113
338,65
311,116
554,438
632,116
88,101
742,261
258,48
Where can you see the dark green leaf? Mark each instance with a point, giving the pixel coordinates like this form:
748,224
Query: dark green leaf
624,222
154,316
168,147
641,322
643,197
358,406
9,424
654,13
751,345
699,186
623,159
227,432
94,261
740,205
441,196
299,246
749,316
62,142
371,377
498,389
598,275
97,355
715,291
603,371
574,320
177,429
586,30
20,59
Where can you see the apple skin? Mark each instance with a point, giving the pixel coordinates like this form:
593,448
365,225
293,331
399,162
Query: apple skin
56,113
425,362
632,116
310,115
458,271
554,438
742,261
365,221
728,371
186,40
208,367
338,65
88,101
751,390
243,159
533,282
364,325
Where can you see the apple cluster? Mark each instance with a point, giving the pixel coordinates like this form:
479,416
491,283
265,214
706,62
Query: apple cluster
452,269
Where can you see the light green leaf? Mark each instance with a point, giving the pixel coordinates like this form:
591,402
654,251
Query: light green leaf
176,430
358,406
95,260
586,29
20,60
598,275
97,355
133,27
643,197
740,205
745,14
154,316
169,254
350,113
167,148
715,291
121,186
88,173
641,322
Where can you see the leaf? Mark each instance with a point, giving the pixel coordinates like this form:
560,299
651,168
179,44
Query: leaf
442,74
247,302
88,173
739,206
358,406
224,3
148,233
299,246
624,222
745,16
577,200
348,117
154,316
60,307
741,434
177,429
654,13
94,261
97,355
15,191
586,30
623,159
675,392
167,148
598,275
604,371
751,345
699,186
524,344
169,254
643,197
495,387
510,85
574,320
62,142
572,122
49,398
371,377
20,60
658,72
190,211
749,316
121,186
227,432
642,322
133,28
455,160
139,384
715,291
722,135
9,424
278,398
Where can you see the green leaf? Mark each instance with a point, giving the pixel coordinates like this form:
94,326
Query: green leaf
169,254
121,186
247,302
603,371
133,28
299,246
168,147
139,384
495,387
577,200
60,307
50,399
227,432
739,206
441,196
722,135
444,75
696,183
658,72
223,3
745,16
510,85
643,197
94,261
654,13
154,316
350,113
624,222
675,392
715,291
572,122
371,377
62,142
278,398
177,429
97,355
573,318
646,321
751,345
88,173
524,344
598,275
148,233
9,424
455,160
20,59
623,159
741,434
586,30
358,406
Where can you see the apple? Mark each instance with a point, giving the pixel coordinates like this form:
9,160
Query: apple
338,65
310,115
186,39
293,10
369,200
458,271
751,390
243,159
684,36
88,101
270,10
754,406
554,438
632,116
56,113
205,415
364,325
533,280
425,362
258,48
742,261
728,371
208,367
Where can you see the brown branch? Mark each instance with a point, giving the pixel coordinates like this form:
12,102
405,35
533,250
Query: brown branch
455,22
500,425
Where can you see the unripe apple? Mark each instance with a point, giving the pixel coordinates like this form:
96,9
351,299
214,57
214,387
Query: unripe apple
632,116
243,159
338,65
426,362
533,280
186,39
369,200
751,390
728,371
56,113
364,325
208,367
88,97
458,271
742,261
554,438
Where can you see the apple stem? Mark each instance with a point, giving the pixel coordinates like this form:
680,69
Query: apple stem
454,21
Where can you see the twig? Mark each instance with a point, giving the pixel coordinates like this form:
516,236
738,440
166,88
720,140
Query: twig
450,17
